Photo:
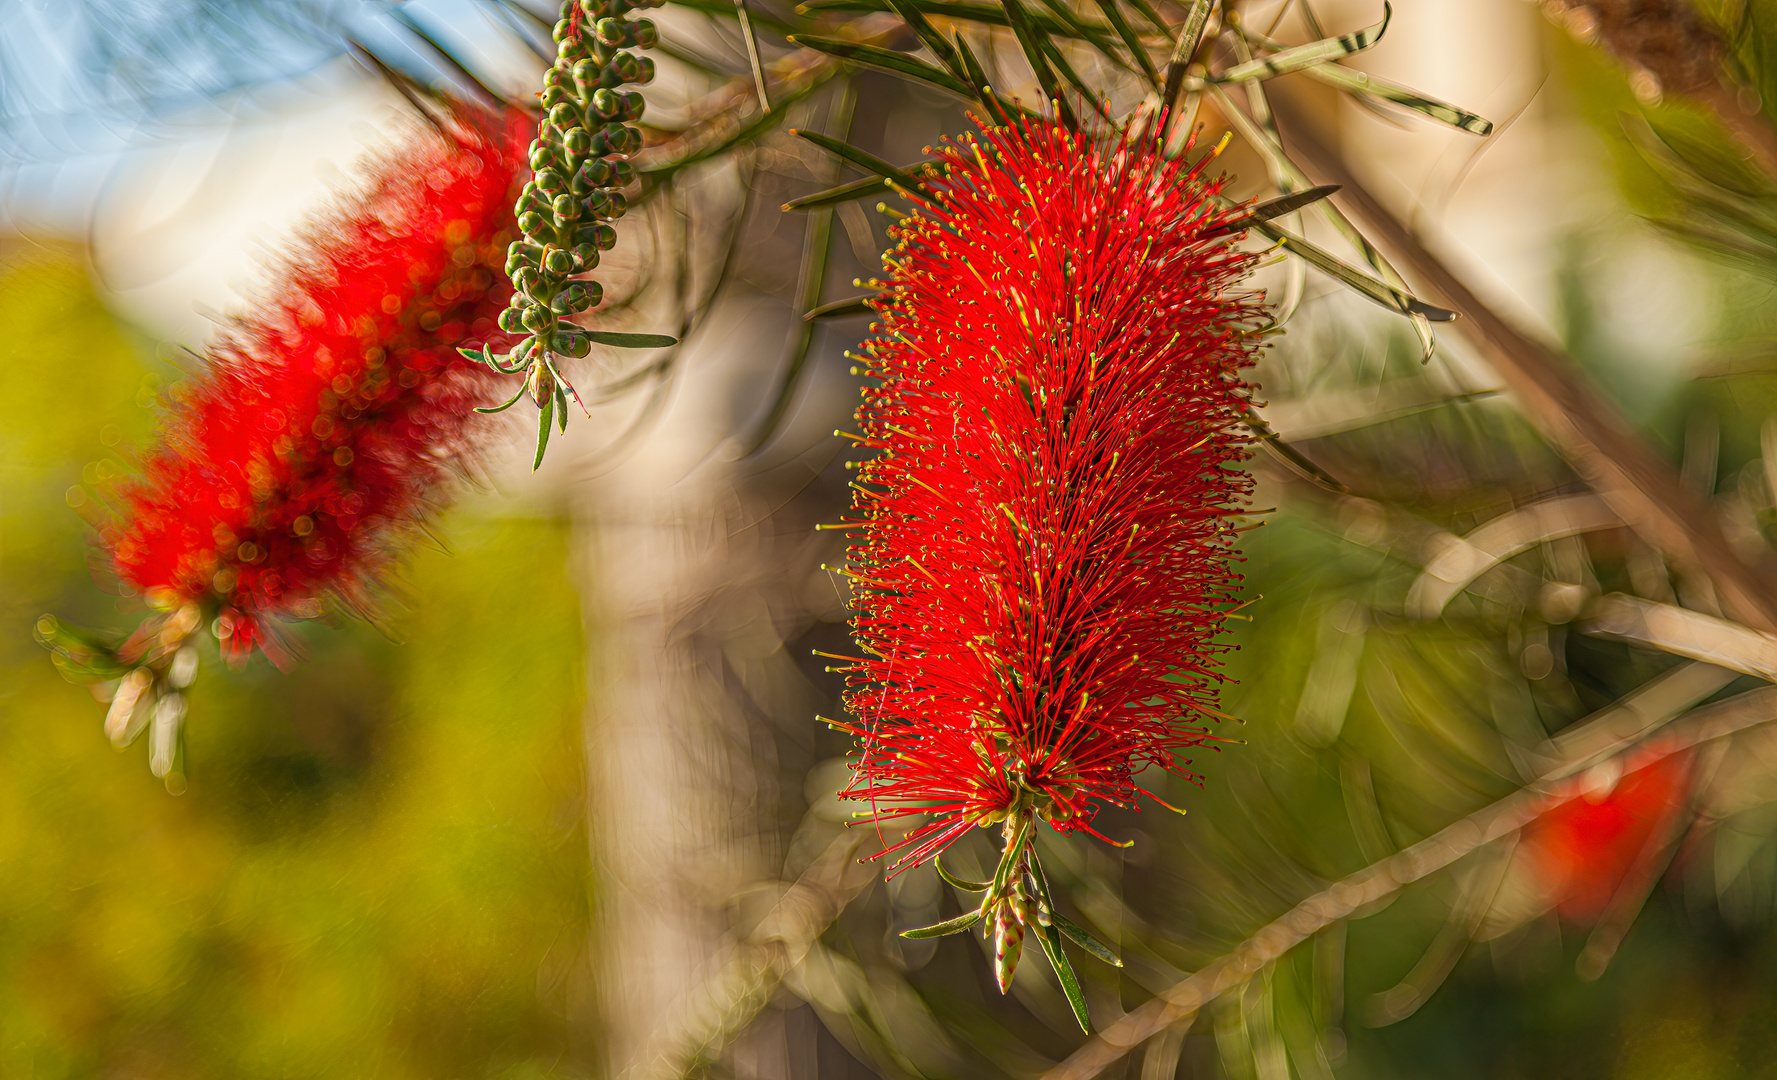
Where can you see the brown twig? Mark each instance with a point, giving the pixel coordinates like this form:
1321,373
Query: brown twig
1382,879
1643,489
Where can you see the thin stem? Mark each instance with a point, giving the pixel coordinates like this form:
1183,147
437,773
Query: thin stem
1382,879
1598,442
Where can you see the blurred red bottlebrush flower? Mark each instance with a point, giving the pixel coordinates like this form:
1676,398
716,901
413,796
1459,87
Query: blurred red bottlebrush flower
330,412
1584,849
1042,543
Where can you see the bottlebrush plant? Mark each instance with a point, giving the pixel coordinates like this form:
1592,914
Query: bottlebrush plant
1043,540
580,164
321,430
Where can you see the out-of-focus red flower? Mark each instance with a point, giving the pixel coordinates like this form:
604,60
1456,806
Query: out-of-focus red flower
1584,849
330,412
1042,542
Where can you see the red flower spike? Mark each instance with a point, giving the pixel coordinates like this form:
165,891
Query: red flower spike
330,413
1586,849
1042,543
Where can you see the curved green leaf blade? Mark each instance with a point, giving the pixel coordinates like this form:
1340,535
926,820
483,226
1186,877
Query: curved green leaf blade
543,424
857,189
1371,288
958,883
511,401
945,928
1309,55
631,341
884,60
1361,83
862,159
1265,211
1083,939
839,309
1050,939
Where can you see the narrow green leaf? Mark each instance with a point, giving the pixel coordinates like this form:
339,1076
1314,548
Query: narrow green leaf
945,928
1083,939
1039,64
838,309
1071,929
967,11
1050,939
561,408
631,341
1073,26
1265,211
1114,15
1070,76
473,354
543,424
958,883
724,9
976,73
1366,285
1315,52
884,60
928,34
862,159
511,401
857,189
1358,82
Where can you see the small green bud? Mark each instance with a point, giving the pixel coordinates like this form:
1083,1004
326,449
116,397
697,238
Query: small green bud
578,141
597,172
610,31
553,95
586,257
643,34
551,181
622,172
644,71
537,319
532,224
566,207
571,343
603,236
509,321
563,115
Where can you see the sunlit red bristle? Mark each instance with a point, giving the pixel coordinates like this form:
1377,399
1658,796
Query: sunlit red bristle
1042,541
331,411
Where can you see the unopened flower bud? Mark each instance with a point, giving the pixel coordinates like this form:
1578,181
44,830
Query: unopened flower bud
541,384
572,343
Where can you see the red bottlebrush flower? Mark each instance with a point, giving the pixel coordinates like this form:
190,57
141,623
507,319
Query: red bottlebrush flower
330,412
1042,543
1584,849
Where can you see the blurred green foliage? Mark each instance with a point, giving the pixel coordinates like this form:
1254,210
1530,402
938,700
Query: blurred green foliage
380,868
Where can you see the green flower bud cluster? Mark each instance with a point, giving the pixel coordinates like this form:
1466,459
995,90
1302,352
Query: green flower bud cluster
579,165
